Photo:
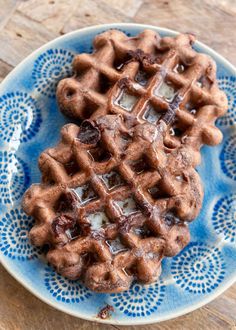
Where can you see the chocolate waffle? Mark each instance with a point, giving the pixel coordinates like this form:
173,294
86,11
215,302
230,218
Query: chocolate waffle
141,78
113,202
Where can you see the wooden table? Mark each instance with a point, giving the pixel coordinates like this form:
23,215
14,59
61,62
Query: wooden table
26,25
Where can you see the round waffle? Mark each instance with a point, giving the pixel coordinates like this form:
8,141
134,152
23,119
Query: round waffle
113,202
141,78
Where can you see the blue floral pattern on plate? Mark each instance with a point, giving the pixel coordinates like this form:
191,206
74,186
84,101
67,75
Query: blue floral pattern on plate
28,115
50,67
224,217
228,157
199,268
20,117
14,243
63,289
140,300
228,84
14,177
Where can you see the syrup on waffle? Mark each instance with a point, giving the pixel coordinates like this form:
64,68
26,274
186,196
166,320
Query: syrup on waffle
113,202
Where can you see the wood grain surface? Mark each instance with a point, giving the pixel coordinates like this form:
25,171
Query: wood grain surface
26,25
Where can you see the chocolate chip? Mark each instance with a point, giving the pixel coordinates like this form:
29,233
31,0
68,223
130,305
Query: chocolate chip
105,312
140,56
62,223
88,133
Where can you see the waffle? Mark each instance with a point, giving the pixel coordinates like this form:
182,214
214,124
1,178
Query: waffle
113,202
141,78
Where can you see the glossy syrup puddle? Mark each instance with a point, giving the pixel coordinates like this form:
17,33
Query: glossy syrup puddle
126,101
167,91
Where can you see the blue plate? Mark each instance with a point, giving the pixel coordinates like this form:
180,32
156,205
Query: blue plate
30,122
